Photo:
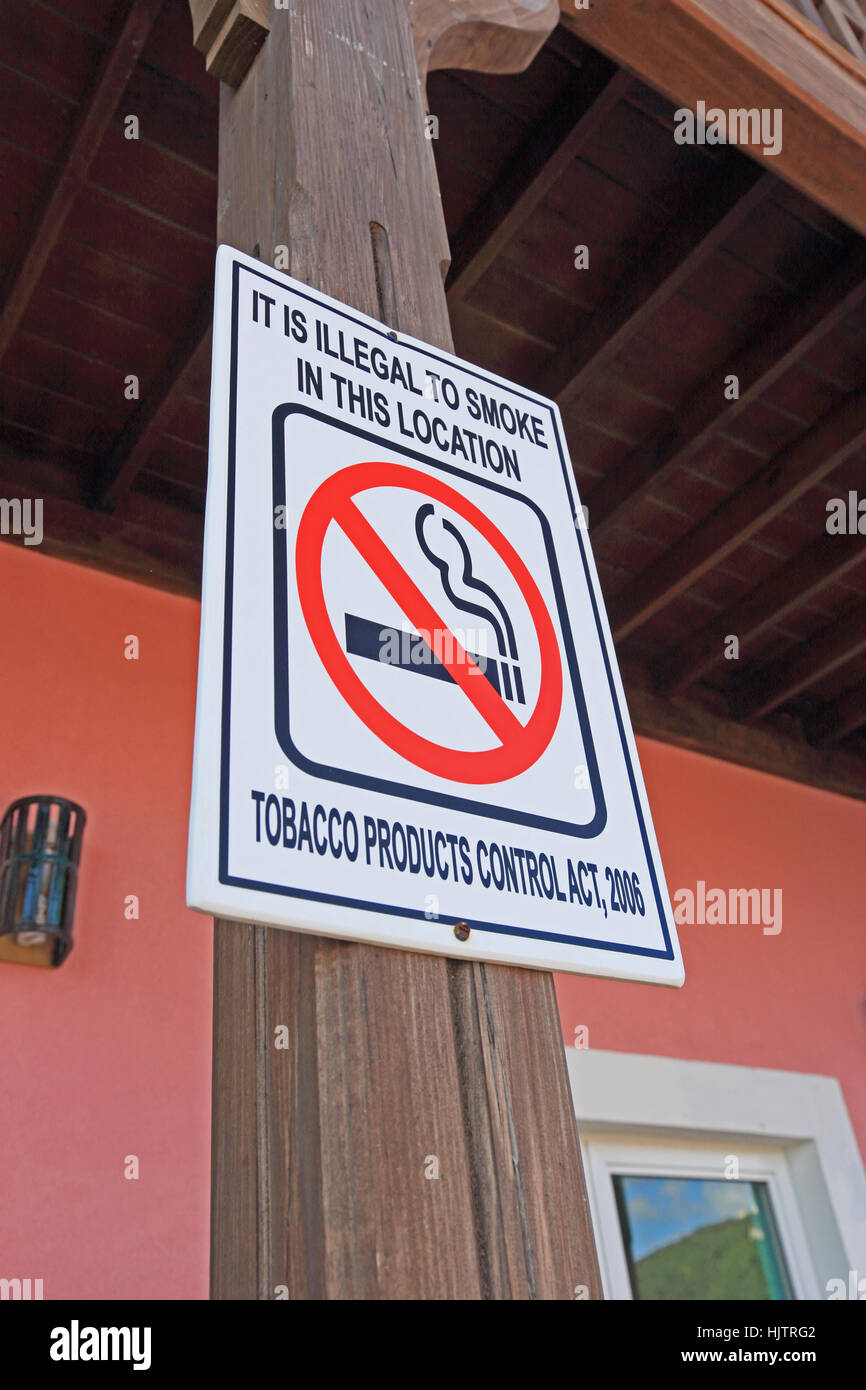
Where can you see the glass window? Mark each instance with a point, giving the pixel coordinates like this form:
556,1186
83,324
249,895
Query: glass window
700,1238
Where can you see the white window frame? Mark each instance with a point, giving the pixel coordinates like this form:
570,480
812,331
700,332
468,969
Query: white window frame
669,1117
610,1155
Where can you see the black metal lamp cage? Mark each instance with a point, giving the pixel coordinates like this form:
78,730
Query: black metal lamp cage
40,849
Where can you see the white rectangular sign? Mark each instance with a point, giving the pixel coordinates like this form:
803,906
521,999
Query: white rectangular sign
410,727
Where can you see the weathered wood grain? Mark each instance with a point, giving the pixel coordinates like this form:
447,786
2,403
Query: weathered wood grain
485,35
208,17
394,1059
229,33
231,54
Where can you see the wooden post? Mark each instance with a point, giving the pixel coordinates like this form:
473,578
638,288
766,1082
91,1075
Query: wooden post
416,1139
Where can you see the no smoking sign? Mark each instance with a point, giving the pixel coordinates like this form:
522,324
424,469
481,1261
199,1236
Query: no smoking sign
410,725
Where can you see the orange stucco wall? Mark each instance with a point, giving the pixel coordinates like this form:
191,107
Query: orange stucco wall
794,1000
110,1055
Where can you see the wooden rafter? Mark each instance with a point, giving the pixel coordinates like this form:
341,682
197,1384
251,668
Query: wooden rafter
137,440
846,21
839,719
229,33
749,53
766,689
672,719
720,207
334,114
771,491
827,560
154,542
544,157
763,360
811,12
97,109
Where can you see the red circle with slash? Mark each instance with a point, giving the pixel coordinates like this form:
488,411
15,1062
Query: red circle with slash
520,745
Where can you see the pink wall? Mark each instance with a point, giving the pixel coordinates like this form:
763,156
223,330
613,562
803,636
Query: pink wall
110,1055
794,1001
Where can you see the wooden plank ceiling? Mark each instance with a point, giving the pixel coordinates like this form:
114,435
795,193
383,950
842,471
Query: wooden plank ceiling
706,515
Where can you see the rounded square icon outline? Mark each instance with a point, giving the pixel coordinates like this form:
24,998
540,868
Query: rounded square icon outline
282,706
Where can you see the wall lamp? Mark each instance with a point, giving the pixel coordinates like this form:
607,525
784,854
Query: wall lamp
40,848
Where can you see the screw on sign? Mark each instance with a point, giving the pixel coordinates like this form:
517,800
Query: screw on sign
518,745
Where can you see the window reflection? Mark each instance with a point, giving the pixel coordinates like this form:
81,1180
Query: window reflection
700,1238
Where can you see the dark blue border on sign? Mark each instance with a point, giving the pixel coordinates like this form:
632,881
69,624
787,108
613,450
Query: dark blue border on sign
225,877
281,649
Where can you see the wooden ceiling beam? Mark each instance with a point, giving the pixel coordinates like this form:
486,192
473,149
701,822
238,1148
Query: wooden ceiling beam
838,719
720,205
778,484
97,109
154,543
229,33
768,355
139,437
485,36
568,46
749,54
827,560
672,719
763,691
540,162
